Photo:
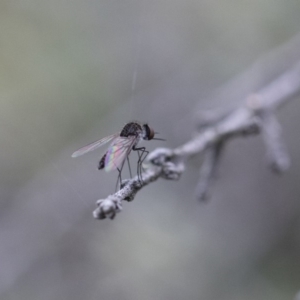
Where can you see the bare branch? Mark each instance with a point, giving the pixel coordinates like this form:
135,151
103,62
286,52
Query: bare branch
257,115
277,155
208,170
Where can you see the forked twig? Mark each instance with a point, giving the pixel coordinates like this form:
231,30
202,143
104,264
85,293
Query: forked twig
256,116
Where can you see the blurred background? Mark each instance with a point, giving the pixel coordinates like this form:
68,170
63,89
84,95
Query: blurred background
66,74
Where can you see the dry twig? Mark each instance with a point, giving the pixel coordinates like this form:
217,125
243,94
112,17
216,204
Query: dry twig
256,116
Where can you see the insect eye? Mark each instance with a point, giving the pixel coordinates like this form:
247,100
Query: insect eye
151,134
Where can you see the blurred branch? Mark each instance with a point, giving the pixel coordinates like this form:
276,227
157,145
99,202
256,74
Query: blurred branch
208,170
256,116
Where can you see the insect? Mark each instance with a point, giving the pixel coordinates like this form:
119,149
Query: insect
122,144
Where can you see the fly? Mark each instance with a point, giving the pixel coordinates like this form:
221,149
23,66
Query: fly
122,144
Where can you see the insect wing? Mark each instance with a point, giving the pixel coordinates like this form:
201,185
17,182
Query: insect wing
118,151
94,145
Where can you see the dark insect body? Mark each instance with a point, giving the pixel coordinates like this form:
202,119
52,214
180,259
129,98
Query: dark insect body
121,145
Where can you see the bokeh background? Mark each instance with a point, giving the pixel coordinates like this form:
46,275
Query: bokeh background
66,74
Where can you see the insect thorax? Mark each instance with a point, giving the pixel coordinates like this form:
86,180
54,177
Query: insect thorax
130,129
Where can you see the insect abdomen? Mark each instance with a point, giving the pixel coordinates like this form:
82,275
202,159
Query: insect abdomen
102,162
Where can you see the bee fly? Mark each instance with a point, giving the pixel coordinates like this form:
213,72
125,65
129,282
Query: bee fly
121,146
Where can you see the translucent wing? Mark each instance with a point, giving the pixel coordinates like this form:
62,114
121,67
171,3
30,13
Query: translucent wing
94,145
118,151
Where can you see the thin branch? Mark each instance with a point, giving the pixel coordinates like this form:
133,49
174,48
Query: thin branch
208,170
256,116
277,154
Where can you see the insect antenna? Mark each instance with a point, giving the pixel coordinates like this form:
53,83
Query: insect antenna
158,139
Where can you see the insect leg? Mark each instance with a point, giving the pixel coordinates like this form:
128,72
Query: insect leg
140,161
138,167
146,154
142,158
129,166
119,179
120,176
